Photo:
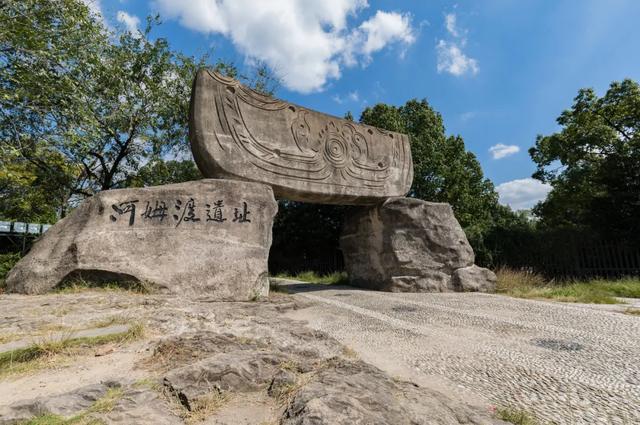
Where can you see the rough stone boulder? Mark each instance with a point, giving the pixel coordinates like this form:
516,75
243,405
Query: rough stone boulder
206,238
410,245
304,155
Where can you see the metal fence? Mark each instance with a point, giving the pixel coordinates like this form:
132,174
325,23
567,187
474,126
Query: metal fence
566,255
18,236
21,228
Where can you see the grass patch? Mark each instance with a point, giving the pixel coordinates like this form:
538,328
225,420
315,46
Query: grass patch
107,402
516,416
82,285
632,311
204,407
104,404
276,287
4,338
47,351
335,278
200,409
49,419
349,352
594,291
109,321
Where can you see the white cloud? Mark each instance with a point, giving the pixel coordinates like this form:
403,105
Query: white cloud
451,58
305,43
522,193
353,96
500,150
129,21
469,115
450,22
95,7
374,34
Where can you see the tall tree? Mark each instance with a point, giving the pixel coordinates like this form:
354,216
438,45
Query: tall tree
87,107
161,172
593,164
444,171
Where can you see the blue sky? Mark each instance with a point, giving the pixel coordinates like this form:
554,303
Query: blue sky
499,71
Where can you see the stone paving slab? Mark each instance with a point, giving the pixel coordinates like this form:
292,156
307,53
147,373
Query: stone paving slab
567,363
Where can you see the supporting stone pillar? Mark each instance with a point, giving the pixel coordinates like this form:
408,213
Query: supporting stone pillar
206,238
410,245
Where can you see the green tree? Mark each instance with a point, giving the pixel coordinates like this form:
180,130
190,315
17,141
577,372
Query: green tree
444,171
593,164
161,172
84,107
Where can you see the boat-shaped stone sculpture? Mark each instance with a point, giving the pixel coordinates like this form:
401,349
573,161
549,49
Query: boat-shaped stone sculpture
238,133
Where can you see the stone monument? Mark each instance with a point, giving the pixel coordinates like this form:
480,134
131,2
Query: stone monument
410,245
202,238
237,133
212,237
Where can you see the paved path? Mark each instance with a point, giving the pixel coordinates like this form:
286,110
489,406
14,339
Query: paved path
569,364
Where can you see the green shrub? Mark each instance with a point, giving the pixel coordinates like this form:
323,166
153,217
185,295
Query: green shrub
594,291
7,261
335,278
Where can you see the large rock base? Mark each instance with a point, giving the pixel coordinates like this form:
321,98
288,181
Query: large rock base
206,238
410,245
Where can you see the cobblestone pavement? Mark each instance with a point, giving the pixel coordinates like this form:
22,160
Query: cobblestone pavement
568,364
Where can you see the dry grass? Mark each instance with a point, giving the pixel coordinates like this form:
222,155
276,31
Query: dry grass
336,278
109,321
349,353
104,404
107,402
632,311
50,351
204,407
516,416
50,419
82,285
522,284
8,337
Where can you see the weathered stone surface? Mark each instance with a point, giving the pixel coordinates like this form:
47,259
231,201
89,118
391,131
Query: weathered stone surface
135,406
65,405
357,393
304,155
474,279
178,237
239,371
409,245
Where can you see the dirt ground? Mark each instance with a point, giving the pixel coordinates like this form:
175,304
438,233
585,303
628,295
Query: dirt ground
197,361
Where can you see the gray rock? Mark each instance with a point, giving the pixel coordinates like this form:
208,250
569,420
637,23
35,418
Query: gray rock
238,371
238,133
178,237
65,405
474,279
355,393
140,407
282,382
409,245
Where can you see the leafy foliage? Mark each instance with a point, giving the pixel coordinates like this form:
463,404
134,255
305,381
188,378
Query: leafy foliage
444,171
593,164
82,109
161,172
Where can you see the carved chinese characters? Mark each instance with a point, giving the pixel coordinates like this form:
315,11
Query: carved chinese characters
304,155
203,238
183,211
